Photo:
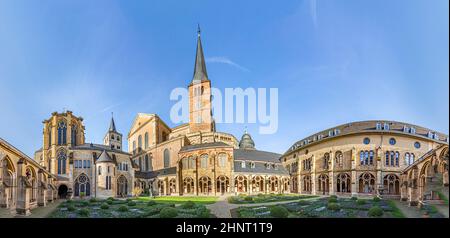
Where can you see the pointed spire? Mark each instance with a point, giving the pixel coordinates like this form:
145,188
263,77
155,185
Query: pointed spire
200,73
112,126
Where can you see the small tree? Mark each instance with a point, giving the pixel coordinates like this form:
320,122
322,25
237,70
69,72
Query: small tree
82,195
137,191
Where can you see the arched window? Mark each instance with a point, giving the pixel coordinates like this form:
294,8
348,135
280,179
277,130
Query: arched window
146,140
82,185
392,158
407,160
392,184
326,159
62,131
146,162
339,159
204,161
74,134
134,147
371,157
185,163
62,158
192,164
166,158
361,157
366,157
343,183
366,183
412,159
49,136
397,158
387,158
222,160
139,142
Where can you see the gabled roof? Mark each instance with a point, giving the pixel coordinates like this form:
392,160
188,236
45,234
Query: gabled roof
104,158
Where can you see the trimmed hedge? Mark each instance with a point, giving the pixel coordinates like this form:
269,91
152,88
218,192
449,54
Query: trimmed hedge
375,211
188,205
168,212
151,203
71,208
361,202
131,203
123,208
333,206
84,212
279,212
104,206
376,199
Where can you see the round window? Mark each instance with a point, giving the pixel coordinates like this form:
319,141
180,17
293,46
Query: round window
392,141
417,145
366,140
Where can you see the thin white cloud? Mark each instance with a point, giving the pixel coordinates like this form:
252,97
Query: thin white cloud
313,11
225,60
110,107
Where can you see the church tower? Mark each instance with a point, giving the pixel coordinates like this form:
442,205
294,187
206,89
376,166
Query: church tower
200,108
113,139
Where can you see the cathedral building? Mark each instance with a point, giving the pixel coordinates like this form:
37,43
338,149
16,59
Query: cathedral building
194,158
369,158
85,169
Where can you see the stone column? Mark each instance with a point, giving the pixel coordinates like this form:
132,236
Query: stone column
313,176
354,178
249,184
42,189
2,187
23,191
413,193
49,190
300,184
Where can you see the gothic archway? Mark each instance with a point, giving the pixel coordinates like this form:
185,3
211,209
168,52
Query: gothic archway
343,183
367,183
82,185
122,186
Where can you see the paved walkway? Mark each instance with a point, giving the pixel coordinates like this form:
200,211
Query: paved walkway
222,208
409,212
39,212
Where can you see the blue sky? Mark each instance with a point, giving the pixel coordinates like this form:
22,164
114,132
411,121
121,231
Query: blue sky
333,61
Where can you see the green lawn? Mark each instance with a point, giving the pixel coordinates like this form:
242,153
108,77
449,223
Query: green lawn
180,199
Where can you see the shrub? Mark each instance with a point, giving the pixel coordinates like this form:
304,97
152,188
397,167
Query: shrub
361,202
333,206
333,196
104,206
248,199
84,212
131,203
202,213
279,212
110,198
123,208
375,211
129,199
332,200
93,200
110,202
84,203
376,199
168,212
354,198
71,208
151,203
188,205
69,201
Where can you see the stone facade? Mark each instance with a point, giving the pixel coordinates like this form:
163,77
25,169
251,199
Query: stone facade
24,184
360,158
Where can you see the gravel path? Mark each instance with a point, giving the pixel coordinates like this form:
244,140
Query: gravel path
39,212
221,209
409,212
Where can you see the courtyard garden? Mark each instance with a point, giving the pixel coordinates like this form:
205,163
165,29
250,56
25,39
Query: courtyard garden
265,198
131,208
180,199
326,207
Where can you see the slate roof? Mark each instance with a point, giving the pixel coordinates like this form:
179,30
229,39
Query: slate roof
91,146
154,174
104,158
200,73
260,167
203,146
256,155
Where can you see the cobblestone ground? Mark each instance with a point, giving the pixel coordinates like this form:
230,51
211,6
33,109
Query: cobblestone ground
40,212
